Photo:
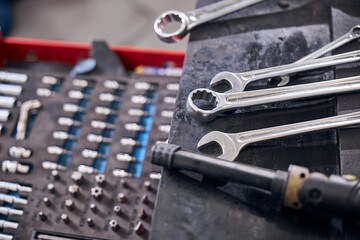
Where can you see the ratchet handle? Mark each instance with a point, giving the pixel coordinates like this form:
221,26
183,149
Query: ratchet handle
335,195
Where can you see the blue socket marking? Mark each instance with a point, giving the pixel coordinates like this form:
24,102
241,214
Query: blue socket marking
104,148
143,137
65,159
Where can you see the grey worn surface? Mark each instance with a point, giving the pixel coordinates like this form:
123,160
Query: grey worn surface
187,208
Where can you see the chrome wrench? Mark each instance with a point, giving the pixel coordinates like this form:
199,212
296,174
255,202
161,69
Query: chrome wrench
222,102
353,34
238,81
192,19
232,143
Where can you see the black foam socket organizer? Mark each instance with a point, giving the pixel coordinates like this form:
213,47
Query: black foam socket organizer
82,170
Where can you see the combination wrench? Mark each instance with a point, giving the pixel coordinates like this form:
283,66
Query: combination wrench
238,81
232,143
192,19
223,102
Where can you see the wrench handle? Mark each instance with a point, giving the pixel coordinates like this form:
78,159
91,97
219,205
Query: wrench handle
292,68
216,10
343,120
251,98
347,37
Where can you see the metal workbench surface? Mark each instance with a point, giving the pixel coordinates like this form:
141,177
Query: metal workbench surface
271,33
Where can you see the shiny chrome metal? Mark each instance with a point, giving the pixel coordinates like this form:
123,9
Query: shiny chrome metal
43,92
48,165
76,94
62,135
4,115
88,153
113,84
6,236
13,77
14,187
353,34
12,199
49,80
86,169
192,19
137,112
10,211
108,97
14,167
7,224
125,157
55,150
232,143
222,102
66,121
24,115
9,89
134,127
121,173
19,152
70,107
98,138
238,81
7,102
80,83
102,125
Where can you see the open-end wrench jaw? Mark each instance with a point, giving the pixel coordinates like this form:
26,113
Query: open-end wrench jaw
227,142
231,79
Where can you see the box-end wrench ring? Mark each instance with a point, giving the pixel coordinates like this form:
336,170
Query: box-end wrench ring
232,143
191,19
222,102
238,81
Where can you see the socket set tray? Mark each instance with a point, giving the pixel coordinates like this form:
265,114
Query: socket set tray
74,150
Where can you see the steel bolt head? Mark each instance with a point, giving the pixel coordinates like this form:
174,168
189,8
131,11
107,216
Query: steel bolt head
90,222
73,190
100,179
77,177
51,187
55,174
121,197
97,192
114,225
46,201
93,207
65,218
117,209
69,204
